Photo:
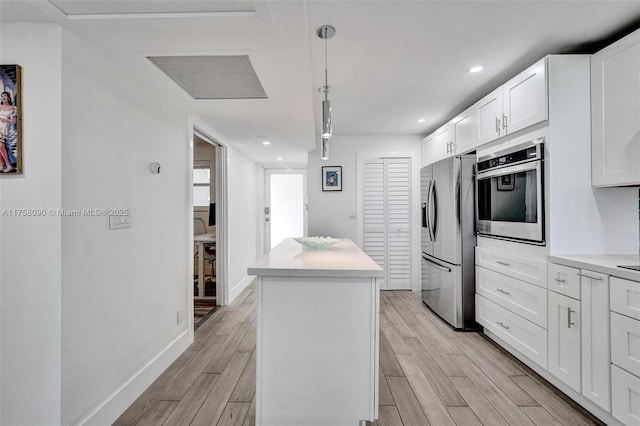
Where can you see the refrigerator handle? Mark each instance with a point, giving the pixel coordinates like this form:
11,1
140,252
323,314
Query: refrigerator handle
436,265
424,215
432,236
434,225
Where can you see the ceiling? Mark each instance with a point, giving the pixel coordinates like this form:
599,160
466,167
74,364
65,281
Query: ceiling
391,62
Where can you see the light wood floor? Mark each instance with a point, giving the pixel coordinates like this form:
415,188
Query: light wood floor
430,375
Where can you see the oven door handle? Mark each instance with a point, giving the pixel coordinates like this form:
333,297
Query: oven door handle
508,170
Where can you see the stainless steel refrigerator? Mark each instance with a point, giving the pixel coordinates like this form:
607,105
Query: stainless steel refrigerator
448,240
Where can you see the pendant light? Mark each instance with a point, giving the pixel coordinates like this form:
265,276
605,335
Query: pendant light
324,152
325,32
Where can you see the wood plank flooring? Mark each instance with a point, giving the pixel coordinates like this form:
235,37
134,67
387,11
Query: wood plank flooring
429,375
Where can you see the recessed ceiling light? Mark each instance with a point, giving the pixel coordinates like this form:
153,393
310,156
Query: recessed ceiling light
421,120
279,158
266,143
476,68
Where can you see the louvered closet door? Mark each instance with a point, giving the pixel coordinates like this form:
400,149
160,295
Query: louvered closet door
398,224
374,214
386,218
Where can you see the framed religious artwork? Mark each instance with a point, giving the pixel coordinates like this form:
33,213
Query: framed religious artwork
10,120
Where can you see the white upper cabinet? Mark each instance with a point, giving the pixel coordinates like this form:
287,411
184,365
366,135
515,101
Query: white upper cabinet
463,139
488,117
438,145
427,146
615,113
517,104
524,98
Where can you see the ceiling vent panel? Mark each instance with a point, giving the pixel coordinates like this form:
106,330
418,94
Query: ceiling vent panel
213,77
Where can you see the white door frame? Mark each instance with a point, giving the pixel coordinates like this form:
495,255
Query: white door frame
222,223
268,171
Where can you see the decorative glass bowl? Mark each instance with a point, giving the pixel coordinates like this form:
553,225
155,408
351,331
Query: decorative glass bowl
317,243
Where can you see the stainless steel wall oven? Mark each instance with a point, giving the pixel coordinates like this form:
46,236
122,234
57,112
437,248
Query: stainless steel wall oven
510,193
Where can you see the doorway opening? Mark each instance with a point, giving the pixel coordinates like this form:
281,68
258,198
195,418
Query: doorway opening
209,226
285,205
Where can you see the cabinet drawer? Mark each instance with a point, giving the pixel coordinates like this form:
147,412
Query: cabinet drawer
625,396
625,343
564,280
524,336
527,300
530,270
625,297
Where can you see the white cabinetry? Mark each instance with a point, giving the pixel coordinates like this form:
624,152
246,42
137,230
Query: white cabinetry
517,104
595,338
488,117
565,331
625,396
427,146
511,301
615,113
438,145
455,137
564,338
625,350
463,139
524,98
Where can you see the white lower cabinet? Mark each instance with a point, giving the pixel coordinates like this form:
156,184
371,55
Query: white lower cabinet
596,346
625,396
625,350
564,339
527,300
625,343
522,335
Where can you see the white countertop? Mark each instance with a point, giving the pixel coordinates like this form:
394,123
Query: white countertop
290,259
604,263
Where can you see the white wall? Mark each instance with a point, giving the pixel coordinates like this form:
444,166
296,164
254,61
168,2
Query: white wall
329,211
121,288
243,216
30,264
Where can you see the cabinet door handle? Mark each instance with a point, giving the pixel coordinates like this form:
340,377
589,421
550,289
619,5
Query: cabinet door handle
504,122
569,322
560,280
497,125
503,291
506,327
503,263
590,277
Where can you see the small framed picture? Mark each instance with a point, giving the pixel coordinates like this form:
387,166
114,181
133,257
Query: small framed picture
332,178
506,182
10,120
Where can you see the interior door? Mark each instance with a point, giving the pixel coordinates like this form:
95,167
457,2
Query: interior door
285,206
386,218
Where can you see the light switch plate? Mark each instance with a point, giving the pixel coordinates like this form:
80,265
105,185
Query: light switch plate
120,221
353,214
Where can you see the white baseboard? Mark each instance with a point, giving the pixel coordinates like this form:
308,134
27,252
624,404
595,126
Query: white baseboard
121,399
606,417
239,287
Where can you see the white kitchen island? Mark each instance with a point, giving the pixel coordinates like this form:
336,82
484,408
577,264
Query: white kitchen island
317,336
